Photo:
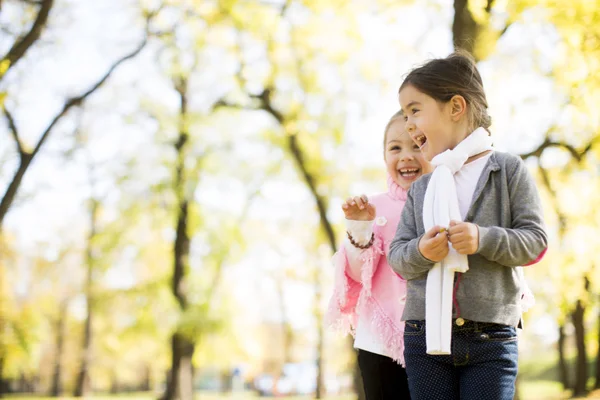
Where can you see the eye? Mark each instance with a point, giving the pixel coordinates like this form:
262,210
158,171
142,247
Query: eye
394,148
414,110
416,147
405,118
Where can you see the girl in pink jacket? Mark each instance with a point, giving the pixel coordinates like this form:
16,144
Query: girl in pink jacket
369,297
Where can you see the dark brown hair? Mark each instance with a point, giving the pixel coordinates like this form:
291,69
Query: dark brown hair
444,78
397,115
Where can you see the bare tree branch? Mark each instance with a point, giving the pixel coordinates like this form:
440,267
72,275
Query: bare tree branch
13,130
578,155
78,100
21,46
562,218
27,157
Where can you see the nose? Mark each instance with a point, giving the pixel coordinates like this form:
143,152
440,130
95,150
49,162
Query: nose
410,126
406,155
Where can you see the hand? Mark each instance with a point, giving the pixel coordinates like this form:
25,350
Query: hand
358,208
464,237
434,244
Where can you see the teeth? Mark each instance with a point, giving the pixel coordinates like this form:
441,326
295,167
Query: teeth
420,139
409,172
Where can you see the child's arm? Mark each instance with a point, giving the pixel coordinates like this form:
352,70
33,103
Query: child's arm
526,240
404,256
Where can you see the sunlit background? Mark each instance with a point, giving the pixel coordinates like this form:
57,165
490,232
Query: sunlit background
172,173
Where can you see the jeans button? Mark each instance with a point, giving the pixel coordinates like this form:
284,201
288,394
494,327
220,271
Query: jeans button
484,336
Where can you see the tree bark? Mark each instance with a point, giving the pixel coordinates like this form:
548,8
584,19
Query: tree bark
581,372
286,331
563,370
146,385
180,384
320,390
3,384
82,385
597,380
56,390
464,27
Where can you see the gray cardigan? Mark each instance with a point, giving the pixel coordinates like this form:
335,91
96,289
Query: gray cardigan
507,209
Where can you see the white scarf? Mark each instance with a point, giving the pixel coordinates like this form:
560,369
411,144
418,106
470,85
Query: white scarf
440,206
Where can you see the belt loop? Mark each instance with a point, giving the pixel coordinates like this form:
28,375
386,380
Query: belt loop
476,326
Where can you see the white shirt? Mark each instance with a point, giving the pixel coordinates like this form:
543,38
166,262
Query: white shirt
466,180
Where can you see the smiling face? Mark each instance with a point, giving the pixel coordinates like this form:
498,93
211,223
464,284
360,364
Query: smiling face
431,124
403,159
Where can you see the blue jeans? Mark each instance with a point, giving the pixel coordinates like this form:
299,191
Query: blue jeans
483,363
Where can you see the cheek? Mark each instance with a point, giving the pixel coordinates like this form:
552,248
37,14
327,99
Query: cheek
425,165
426,155
390,162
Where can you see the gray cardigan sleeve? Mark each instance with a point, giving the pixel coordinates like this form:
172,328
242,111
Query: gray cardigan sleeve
526,240
404,256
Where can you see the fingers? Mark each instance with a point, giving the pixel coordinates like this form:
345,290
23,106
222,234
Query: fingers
361,201
456,227
347,204
439,242
431,233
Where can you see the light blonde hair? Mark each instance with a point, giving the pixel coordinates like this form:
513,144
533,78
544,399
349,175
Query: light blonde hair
397,115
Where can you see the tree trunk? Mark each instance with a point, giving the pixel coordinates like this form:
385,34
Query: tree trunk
3,384
563,370
464,27
114,383
82,385
310,180
181,378
180,384
320,390
581,373
146,385
597,380
13,187
56,390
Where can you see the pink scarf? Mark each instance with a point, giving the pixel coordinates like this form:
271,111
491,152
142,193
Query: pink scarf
380,295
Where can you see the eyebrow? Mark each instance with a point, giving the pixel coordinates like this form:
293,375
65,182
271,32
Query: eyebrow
412,103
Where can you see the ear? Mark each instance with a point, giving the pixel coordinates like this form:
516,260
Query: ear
458,107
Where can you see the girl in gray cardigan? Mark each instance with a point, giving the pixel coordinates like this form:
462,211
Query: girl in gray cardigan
464,230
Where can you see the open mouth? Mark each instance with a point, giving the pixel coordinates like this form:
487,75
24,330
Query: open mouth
409,172
420,140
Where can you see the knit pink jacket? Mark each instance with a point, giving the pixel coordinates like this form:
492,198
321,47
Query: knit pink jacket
380,295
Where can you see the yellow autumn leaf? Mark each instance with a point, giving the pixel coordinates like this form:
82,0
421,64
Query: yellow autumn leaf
4,64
